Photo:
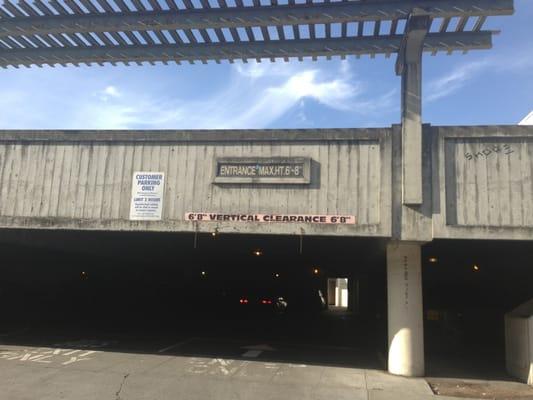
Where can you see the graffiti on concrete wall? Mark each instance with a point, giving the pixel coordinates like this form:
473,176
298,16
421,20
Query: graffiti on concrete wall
489,151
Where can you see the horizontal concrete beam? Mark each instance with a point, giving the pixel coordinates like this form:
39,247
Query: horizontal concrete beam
232,17
193,136
462,41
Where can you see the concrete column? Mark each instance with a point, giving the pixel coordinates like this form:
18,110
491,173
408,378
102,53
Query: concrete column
332,284
412,133
409,66
405,313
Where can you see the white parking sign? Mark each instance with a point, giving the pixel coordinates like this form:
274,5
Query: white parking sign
147,190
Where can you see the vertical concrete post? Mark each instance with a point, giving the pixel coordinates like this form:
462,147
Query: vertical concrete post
332,284
409,66
412,133
405,313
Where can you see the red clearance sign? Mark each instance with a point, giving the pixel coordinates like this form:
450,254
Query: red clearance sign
272,218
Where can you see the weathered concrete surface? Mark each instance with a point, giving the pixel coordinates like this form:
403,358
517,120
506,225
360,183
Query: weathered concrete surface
114,375
519,342
476,182
409,66
405,315
83,181
411,222
483,182
133,376
477,388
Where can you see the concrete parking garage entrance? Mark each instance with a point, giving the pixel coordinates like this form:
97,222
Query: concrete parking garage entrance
179,295
383,180
151,286
337,183
161,283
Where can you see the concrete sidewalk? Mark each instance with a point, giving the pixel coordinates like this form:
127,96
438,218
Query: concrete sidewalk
83,374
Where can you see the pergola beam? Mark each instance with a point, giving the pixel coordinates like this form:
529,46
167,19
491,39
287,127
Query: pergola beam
434,42
258,16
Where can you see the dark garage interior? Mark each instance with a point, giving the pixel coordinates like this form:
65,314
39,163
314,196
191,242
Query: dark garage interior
149,286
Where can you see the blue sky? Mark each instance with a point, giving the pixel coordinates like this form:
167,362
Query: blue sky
482,87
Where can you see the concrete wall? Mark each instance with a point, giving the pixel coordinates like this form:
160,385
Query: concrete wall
483,182
84,181
477,181
519,342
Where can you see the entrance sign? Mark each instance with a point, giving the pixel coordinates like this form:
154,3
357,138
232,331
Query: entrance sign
147,190
272,218
271,170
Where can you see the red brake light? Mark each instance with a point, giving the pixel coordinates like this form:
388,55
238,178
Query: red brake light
243,301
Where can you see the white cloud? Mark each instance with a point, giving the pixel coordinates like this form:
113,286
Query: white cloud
128,113
346,68
460,76
382,103
334,93
270,103
453,81
302,117
111,91
288,85
521,61
251,104
254,95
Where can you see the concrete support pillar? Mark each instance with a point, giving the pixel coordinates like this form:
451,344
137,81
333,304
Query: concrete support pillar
412,133
405,313
409,66
332,283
